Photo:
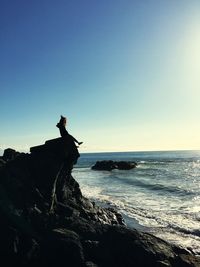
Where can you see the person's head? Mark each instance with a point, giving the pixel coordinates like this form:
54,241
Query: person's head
63,120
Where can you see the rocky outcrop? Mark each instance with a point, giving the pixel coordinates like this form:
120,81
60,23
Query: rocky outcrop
10,154
109,165
46,221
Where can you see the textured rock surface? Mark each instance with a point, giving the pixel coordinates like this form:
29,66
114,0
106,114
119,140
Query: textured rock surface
45,220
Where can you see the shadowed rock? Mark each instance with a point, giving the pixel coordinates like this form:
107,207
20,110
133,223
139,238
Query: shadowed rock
46,221
109,165
10,154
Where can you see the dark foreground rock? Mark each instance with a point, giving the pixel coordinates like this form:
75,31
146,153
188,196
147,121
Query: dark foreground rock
45,220
109,165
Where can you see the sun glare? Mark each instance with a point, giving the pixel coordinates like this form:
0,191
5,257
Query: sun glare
192,56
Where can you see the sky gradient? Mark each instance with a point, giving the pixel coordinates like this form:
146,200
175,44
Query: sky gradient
124,72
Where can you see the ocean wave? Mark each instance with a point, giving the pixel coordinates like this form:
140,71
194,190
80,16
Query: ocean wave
147,218
158,219
154,186
188,242
194,232
161,194
175,227
156,162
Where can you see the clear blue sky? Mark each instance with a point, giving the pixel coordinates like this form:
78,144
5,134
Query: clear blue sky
124,72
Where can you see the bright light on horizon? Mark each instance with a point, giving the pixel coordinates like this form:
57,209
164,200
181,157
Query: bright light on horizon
191,57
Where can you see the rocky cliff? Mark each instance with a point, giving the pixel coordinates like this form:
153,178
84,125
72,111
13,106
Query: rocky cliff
46,221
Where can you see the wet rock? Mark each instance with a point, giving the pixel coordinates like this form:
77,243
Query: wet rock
120,246
109,165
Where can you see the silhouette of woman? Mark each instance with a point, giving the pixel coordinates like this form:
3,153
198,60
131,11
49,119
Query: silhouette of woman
63,132
69,141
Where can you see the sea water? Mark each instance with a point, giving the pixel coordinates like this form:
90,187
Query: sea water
161,195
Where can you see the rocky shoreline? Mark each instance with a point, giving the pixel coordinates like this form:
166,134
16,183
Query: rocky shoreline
46,221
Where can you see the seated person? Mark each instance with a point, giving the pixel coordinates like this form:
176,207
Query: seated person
63,132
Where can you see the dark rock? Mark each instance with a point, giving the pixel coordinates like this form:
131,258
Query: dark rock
10,154
46,221
62,147
109,165
2,162
90,264
126,165
63,249
120,246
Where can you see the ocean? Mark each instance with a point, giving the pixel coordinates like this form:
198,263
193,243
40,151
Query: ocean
161,195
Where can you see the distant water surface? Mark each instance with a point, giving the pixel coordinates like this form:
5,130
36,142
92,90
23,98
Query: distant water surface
162,195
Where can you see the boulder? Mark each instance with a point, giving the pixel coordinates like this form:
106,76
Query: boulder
109,165
10,154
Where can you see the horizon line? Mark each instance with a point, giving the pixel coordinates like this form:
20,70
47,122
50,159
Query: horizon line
136,151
